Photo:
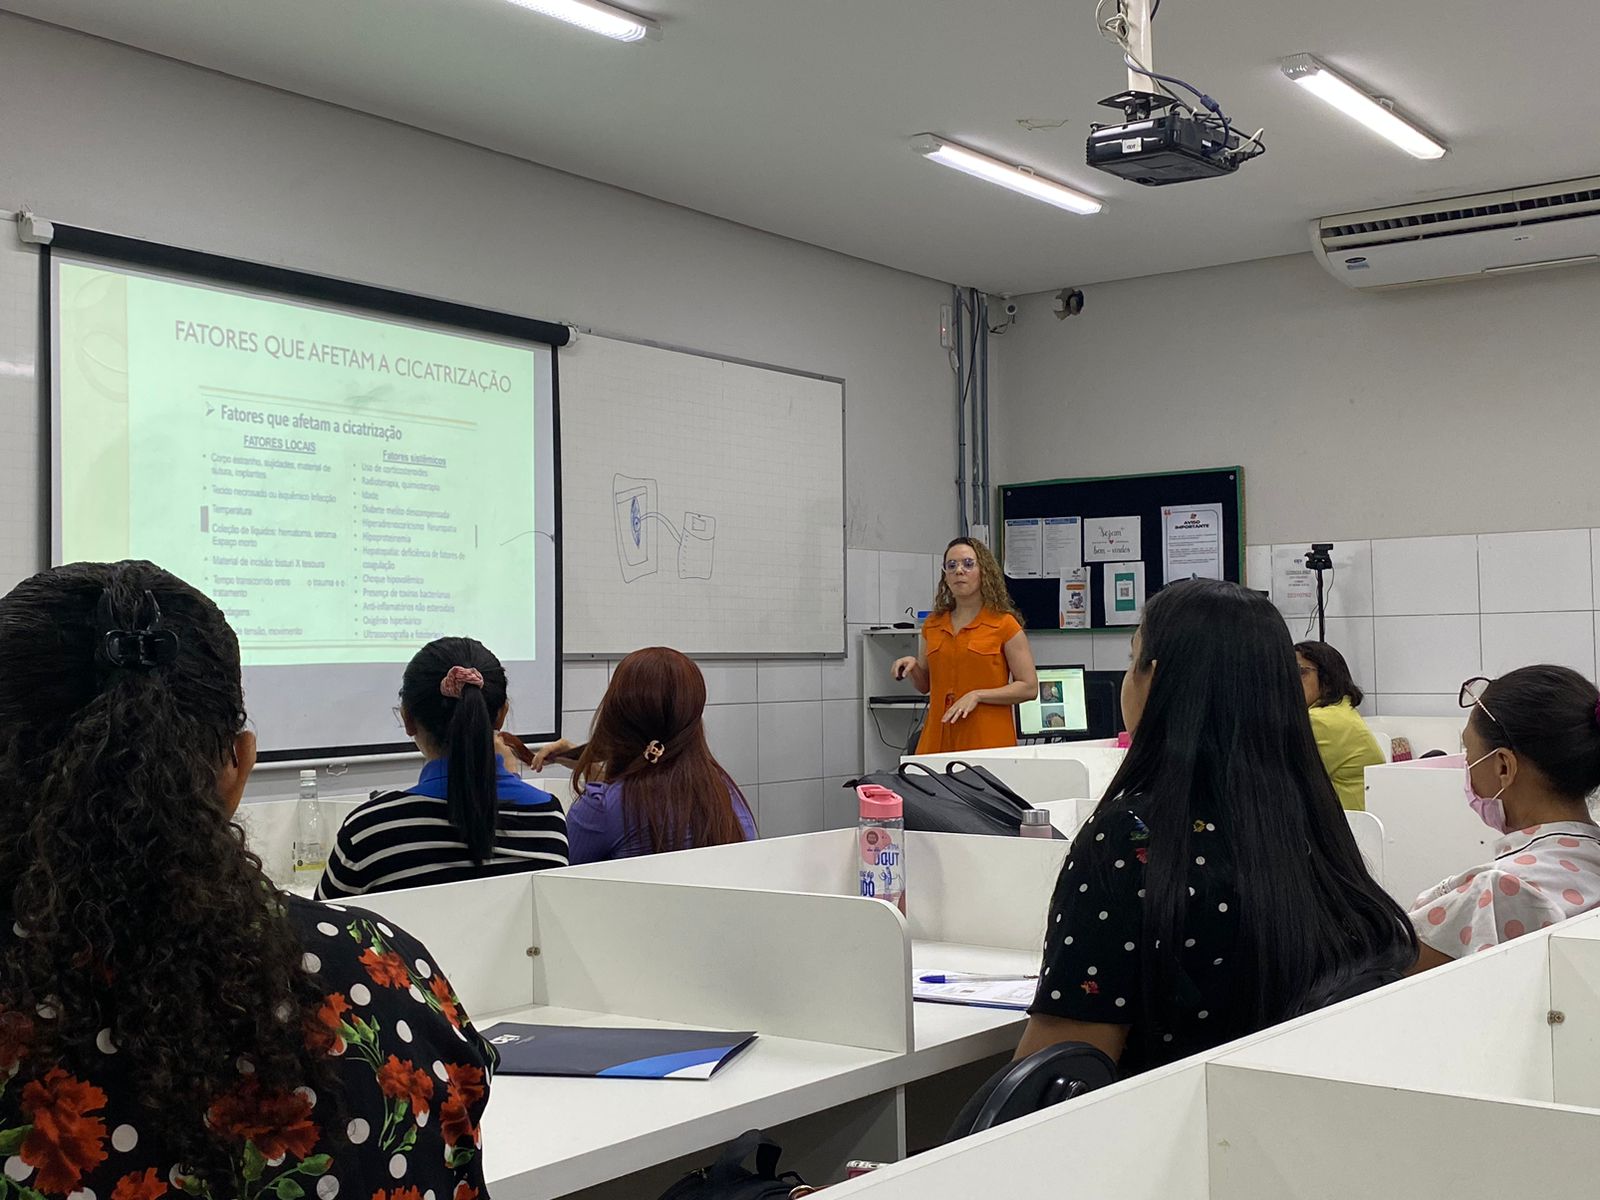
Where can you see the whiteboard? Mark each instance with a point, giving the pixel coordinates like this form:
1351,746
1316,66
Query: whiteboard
22,509
702,503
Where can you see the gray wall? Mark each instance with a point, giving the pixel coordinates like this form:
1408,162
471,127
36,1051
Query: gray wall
1465,408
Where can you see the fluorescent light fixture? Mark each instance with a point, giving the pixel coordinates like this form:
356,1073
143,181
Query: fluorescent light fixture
1018,179
1334,89
596,17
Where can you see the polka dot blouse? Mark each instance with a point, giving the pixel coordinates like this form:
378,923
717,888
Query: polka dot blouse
414,1071
1093,953
1539,876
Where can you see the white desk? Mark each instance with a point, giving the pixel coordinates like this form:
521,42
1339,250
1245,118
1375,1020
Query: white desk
550,1137
1449,1086
824,976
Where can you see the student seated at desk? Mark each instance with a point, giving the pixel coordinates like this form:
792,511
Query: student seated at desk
1217,888
1533,758
171,1024
1345,743
467,816
647,781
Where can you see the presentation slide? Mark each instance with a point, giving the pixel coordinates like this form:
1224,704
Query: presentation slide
346,486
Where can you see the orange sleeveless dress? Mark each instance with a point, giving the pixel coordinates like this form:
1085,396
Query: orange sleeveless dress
960,662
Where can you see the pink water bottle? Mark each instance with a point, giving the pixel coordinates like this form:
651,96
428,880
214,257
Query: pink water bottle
881,836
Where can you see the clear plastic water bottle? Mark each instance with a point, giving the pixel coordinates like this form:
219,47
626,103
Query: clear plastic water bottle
310,855
1036,824
881,837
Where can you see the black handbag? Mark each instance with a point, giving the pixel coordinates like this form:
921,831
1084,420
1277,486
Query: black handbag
727,1178
964,798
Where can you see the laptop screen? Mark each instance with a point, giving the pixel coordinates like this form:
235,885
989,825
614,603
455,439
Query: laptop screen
1059,708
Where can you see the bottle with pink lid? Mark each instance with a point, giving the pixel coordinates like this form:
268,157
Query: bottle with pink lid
881,838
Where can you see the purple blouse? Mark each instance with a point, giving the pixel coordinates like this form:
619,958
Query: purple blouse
597,832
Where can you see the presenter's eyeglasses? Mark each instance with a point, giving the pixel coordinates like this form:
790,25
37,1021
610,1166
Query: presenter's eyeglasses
952,565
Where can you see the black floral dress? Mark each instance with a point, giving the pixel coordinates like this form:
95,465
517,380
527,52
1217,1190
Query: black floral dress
415,1074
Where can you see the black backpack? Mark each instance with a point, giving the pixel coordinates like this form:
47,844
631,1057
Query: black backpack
727,1179
964,798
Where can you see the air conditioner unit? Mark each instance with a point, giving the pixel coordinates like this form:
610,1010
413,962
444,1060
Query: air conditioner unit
1469,237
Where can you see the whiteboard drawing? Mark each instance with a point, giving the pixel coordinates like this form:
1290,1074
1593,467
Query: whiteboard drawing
634,508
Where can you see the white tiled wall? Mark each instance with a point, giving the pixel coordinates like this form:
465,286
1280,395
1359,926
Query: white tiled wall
1416,616
789,730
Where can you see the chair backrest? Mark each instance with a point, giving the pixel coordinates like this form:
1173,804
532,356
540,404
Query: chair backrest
1368,831
1049,1076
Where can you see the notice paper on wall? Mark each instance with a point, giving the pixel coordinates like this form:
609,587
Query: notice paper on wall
1063,545
1111,539
1074,608
1124,588
1191,542
1024,548
1294,588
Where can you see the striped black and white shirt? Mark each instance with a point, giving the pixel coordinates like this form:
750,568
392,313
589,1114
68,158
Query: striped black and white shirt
405,839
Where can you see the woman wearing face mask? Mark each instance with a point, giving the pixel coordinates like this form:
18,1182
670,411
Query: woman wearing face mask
1533,756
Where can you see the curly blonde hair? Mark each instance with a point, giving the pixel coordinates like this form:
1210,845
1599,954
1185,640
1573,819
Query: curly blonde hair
991,582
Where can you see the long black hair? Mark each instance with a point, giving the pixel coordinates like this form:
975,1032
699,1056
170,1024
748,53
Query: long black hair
1333,674
1550,716
461,729
1225,735
134,910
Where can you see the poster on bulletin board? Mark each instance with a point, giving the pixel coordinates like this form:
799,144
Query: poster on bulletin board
1091,552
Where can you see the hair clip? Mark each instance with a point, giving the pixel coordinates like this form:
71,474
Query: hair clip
653,752
138,649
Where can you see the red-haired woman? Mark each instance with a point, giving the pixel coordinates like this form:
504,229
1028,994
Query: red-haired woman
647,782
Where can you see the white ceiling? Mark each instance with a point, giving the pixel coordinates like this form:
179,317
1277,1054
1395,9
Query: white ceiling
793,115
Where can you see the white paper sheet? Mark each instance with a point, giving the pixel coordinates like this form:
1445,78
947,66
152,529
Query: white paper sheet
1124,592
1063,545
1111,539
1024,548
1191,542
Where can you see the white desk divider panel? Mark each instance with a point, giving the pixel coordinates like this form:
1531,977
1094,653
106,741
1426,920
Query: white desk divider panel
1144,1140
1295,1137
981,891
1476,1026
823,863
795,965
479,932
976,903
963,888
1424,733
1575,994
1429,832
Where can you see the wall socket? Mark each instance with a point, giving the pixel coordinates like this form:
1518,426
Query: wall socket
947,333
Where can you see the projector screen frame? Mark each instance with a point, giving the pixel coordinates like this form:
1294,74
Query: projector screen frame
206,267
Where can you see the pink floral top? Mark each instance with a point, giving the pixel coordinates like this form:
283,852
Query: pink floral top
1539,875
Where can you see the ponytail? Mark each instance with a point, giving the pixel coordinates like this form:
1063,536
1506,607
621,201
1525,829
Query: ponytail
136,903
452,690
469,780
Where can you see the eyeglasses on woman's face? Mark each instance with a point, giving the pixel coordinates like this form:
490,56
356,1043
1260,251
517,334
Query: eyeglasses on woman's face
954,565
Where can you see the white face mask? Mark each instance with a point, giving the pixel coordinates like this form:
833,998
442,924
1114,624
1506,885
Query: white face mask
1491,810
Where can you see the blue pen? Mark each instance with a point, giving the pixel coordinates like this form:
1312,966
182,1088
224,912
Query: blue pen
961,977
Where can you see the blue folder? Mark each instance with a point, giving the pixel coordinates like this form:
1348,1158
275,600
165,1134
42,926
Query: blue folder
596,1052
